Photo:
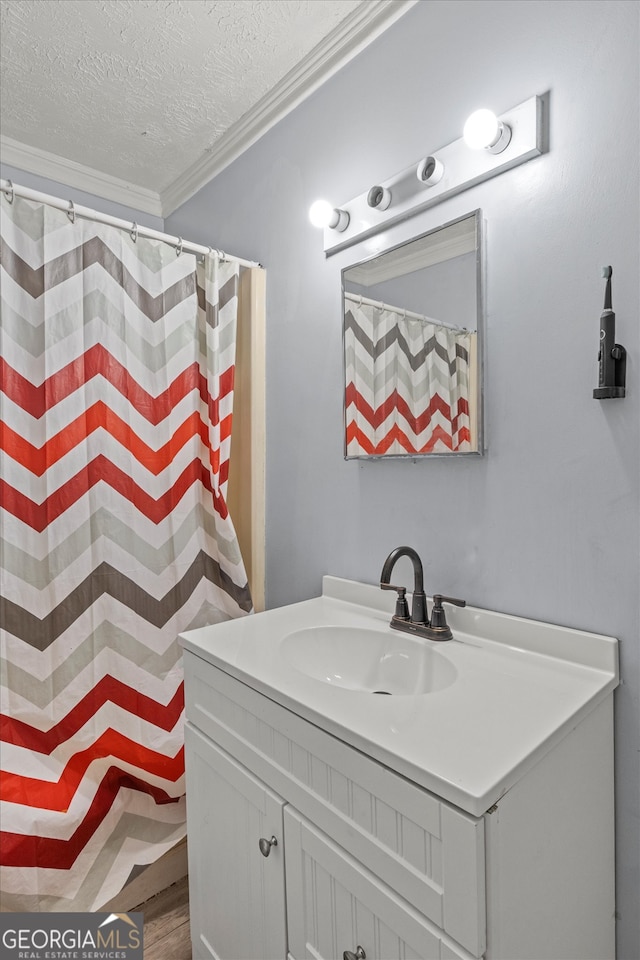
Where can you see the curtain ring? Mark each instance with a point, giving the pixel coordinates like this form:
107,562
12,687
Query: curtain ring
71,212
9,192
134,232
179,247
222,256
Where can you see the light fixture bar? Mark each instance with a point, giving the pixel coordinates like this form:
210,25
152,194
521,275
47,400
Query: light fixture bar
455,168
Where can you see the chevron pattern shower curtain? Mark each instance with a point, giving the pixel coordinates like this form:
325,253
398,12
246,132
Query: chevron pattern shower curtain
117,365
407,384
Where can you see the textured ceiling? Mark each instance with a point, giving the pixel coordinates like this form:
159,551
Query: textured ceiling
142,89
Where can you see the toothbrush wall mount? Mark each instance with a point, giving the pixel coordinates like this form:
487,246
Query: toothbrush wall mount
612,357
446,172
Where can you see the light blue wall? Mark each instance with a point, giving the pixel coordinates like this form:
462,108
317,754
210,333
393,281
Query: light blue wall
546,525
80,197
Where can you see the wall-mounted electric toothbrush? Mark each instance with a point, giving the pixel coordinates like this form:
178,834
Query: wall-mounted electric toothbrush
612,358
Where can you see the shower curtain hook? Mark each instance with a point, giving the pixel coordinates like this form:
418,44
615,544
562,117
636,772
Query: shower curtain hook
71,212
179,247
134,232
9,192
222,255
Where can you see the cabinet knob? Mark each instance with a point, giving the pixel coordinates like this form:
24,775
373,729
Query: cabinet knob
358,955
265,845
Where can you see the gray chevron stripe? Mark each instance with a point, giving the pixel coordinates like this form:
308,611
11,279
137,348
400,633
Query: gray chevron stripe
35,339
107,580
40,693
395,336
94,251
391,365
39,573
106,636
130,825
380,380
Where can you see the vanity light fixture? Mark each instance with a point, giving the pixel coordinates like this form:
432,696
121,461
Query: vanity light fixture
500,143
322,214
483,131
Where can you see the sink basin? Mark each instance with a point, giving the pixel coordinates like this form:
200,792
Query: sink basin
369,661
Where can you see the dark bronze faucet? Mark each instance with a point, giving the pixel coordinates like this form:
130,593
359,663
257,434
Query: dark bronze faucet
418,622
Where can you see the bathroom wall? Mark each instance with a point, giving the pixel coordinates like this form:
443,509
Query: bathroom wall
81,197
546,525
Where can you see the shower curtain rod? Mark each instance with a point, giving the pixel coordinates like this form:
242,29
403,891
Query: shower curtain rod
74,210
409,314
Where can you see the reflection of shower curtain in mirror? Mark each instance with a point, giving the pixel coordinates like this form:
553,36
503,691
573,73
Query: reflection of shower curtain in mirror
116,393
407,383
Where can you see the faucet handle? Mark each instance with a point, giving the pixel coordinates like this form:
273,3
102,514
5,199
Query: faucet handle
402,608
438,616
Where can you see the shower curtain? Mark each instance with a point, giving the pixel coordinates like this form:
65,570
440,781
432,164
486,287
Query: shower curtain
407,383
116,376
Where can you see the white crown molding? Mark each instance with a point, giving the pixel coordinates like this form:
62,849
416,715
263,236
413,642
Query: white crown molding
80,177
348,39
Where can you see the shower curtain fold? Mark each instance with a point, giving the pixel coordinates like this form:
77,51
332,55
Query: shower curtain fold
116,400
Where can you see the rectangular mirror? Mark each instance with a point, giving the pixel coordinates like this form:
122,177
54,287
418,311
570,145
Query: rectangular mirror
412,346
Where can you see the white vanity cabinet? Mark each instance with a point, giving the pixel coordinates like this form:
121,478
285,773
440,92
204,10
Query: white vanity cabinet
474,822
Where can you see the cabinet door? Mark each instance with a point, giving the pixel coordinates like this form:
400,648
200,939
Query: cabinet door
334,904
237,900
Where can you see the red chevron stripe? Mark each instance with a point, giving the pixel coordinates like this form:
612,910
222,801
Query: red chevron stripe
47,795
106,690
355,435
40,515
395,402
99,416
395,434
20,850
97,361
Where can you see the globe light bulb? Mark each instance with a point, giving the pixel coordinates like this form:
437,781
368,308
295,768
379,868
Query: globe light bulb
483,131
320,213
323,214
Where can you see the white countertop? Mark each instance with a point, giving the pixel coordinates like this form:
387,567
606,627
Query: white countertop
521,685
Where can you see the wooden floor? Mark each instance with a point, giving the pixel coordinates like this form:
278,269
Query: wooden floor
166,924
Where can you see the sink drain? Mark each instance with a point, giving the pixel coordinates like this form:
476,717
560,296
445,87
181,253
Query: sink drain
384,693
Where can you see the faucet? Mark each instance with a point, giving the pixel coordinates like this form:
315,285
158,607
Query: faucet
418,623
